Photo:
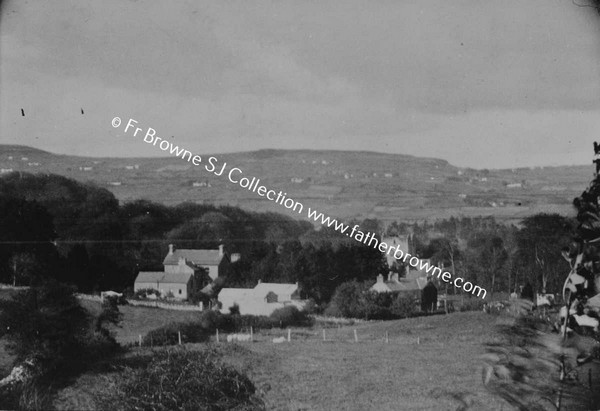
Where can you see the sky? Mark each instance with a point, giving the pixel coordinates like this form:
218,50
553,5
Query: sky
478,83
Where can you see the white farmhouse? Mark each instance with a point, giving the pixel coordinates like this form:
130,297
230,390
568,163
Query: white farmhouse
262,299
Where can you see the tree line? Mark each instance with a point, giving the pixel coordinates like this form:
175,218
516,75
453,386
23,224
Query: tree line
79,234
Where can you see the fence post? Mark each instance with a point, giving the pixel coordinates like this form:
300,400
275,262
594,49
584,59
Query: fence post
355,336
140,339
387,339
289,335
217,335
179,336
251,334
324,338
418,340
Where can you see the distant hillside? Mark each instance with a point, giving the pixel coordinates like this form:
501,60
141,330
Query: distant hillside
340,183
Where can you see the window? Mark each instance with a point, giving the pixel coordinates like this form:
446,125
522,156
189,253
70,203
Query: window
180,291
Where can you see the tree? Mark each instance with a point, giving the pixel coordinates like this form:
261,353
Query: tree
26,268
540,241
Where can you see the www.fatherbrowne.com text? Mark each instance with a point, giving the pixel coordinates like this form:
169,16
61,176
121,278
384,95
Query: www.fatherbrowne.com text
250,183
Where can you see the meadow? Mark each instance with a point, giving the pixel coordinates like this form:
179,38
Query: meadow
426,363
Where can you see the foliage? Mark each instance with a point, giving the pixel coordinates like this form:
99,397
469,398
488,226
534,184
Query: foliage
184,380
540,242
191,332
290,316
530,369
46,323
46,327
201,330
145,292
470,304
355,300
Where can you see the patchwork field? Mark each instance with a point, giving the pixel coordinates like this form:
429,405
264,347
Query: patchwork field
341,184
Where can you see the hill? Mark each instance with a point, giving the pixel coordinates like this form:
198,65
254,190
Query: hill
340,183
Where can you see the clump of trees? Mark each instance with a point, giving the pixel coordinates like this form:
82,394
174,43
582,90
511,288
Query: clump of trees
52,338
354,300
87,239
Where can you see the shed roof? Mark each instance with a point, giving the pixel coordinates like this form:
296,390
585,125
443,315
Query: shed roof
149,276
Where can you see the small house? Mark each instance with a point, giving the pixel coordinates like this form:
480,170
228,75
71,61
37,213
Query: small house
216,262
177,285
263,299
183,270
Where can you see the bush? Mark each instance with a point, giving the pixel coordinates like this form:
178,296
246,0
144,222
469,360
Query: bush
145,292
234,309
184,380
191,332
46,327
210,321
291,316
355,300
471,304
403,306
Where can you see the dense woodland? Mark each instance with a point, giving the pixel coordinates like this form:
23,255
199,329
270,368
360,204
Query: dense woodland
52,226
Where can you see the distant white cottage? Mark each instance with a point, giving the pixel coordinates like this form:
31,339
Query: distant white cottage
262,299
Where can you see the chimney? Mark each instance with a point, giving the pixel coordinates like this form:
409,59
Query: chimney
379,278
181,261
259,281
170,249
395,277
221,250
389,276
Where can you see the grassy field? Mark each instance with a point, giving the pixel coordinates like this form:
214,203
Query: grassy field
428,363
310,374
140,320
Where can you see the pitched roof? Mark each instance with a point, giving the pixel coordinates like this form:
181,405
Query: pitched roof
235,293
149,276
177,278
263,289
163,278
197,257
403,285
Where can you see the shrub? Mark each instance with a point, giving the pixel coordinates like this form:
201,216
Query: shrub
471,304
45,326
201,330
191,332
178,379
234,309
403,306
291,316
145,292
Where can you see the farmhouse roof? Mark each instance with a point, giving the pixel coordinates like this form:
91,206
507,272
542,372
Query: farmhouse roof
236,293
197,257
263,289
403,285
163,278
149,276
176,278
